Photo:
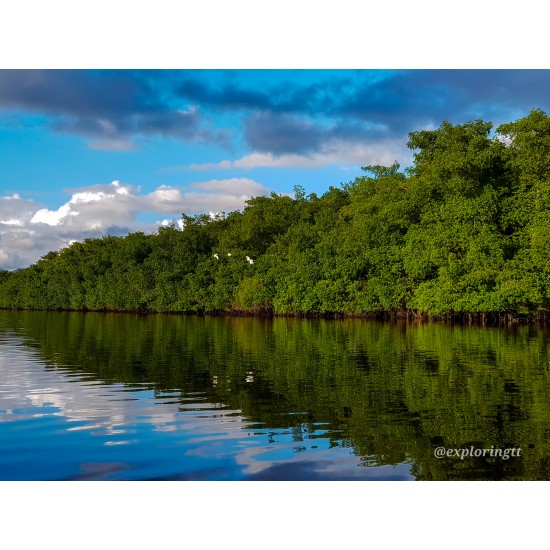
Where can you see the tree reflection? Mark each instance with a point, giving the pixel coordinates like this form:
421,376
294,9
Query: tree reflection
391,392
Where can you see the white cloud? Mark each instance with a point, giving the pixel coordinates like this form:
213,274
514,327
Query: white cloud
28,230
16,210
333,152
5,257
53,217
214,195
244,185
503,138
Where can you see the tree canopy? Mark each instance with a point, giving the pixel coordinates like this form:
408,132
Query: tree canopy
464,230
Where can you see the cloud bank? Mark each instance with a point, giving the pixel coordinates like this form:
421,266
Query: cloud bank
110,109
334,151
359,116
274,113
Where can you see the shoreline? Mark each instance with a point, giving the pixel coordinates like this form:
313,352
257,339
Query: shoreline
476,319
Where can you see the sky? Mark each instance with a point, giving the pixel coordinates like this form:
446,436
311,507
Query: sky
86,153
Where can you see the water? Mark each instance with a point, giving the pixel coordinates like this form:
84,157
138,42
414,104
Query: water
115,396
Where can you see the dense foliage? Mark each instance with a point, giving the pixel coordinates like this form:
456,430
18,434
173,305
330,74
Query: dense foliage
465,230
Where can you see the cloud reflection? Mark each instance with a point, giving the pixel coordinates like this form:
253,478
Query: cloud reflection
145,437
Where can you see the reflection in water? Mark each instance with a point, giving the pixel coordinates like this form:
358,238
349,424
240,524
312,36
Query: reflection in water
107,396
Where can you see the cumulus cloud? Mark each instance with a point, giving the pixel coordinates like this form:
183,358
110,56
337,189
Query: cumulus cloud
108,108
245,186
282,133
14,210
332,152
209,196
288,134
28,229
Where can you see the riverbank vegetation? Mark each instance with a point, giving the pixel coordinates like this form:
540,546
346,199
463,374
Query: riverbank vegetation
464,231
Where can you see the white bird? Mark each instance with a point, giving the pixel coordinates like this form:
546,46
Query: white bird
216,256
249,260
229,253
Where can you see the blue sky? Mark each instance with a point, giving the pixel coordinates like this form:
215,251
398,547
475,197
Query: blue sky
86,153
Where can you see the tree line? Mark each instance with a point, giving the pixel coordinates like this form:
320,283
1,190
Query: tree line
464,231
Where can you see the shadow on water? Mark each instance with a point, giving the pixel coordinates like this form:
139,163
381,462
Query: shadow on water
387,393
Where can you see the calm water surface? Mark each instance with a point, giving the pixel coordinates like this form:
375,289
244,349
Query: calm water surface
114,396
